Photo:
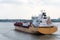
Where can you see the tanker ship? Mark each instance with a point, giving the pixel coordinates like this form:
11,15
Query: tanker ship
40,24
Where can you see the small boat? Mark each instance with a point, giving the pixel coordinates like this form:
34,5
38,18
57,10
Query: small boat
41,24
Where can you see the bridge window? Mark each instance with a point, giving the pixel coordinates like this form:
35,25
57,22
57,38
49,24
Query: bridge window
40,21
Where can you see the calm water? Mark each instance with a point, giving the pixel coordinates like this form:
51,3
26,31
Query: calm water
7,32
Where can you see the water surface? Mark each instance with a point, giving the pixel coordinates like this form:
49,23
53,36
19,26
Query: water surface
7,32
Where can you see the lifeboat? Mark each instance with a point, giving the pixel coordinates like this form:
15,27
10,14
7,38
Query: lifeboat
41,24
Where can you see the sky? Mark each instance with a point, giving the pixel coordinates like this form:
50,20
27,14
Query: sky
25,9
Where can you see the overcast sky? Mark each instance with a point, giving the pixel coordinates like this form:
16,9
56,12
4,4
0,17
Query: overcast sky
24,9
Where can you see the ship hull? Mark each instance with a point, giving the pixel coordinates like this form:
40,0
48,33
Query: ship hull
41,30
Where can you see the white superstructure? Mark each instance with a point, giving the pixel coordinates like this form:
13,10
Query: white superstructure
42,20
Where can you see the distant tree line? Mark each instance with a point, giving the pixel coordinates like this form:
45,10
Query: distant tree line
24,20
55,20
15,20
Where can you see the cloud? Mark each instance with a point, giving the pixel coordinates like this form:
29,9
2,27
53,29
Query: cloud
52,2
31,2
24,9
10,2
